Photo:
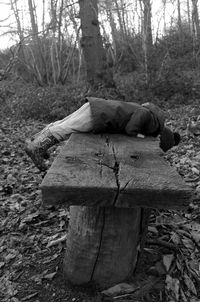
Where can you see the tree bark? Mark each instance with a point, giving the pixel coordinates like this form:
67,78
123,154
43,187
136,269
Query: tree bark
34,26
147,40
189,17
119,18
15,10
14,7
98,73
37,55
180,21
113,26
195,20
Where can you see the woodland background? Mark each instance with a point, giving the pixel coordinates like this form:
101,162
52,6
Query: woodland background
59,45
61,52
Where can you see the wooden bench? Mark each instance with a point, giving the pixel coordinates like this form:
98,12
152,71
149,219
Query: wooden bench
111,182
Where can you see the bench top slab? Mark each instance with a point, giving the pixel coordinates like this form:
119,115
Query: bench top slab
114,170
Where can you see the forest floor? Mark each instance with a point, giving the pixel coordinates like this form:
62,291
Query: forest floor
32,236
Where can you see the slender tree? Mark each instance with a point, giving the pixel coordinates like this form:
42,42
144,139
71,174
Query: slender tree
180,27
15,10
147,38
189,15
195,20
164,16
34,26
110,16
119,16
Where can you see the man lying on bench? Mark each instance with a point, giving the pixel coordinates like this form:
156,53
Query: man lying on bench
103,116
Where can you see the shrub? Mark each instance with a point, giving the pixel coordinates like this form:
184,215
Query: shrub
44,103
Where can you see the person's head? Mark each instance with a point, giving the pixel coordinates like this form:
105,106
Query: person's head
157,112
168,139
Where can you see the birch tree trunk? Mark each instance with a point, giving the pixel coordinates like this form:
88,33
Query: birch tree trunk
113,26
34,26
98,73
119,18
37,56
147,40
189,17
180,20
164,16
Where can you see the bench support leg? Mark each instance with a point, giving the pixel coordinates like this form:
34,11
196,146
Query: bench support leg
104,244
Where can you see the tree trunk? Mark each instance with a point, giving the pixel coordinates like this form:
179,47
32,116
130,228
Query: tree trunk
72,15
37,55
112,24
189,17
34,26
195,20
43,16
119,18
98,73
147,40
14,7
180,21
164,16
123,13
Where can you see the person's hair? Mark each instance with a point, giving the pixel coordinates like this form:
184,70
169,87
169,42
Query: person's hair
168,139
177,138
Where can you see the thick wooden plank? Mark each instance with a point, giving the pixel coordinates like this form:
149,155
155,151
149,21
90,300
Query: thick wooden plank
114,170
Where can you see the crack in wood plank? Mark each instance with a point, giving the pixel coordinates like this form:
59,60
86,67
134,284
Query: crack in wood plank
126,185
143,229
116,169
100,243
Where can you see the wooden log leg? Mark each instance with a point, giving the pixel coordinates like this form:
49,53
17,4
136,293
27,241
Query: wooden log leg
103,244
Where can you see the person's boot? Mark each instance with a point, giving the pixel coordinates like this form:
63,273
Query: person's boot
36,148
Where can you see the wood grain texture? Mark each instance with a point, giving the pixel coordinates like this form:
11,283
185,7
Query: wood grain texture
103,244
114,170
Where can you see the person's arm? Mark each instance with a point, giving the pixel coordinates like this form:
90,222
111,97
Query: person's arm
138,121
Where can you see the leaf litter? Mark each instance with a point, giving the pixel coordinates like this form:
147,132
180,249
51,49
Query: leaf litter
33,237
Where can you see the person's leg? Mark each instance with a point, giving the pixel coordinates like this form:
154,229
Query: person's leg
79,121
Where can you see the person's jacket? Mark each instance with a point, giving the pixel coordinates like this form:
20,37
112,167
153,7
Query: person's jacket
126,117
130,118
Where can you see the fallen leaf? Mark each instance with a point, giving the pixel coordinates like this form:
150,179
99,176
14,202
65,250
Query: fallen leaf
29,296
152,229
195,170
167,261
183,297
2,264
190,285
10,256
50,276
173,285
175,238
55,242
196,237
188,243
121,288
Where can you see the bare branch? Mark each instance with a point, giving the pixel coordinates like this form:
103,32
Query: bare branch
3,20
